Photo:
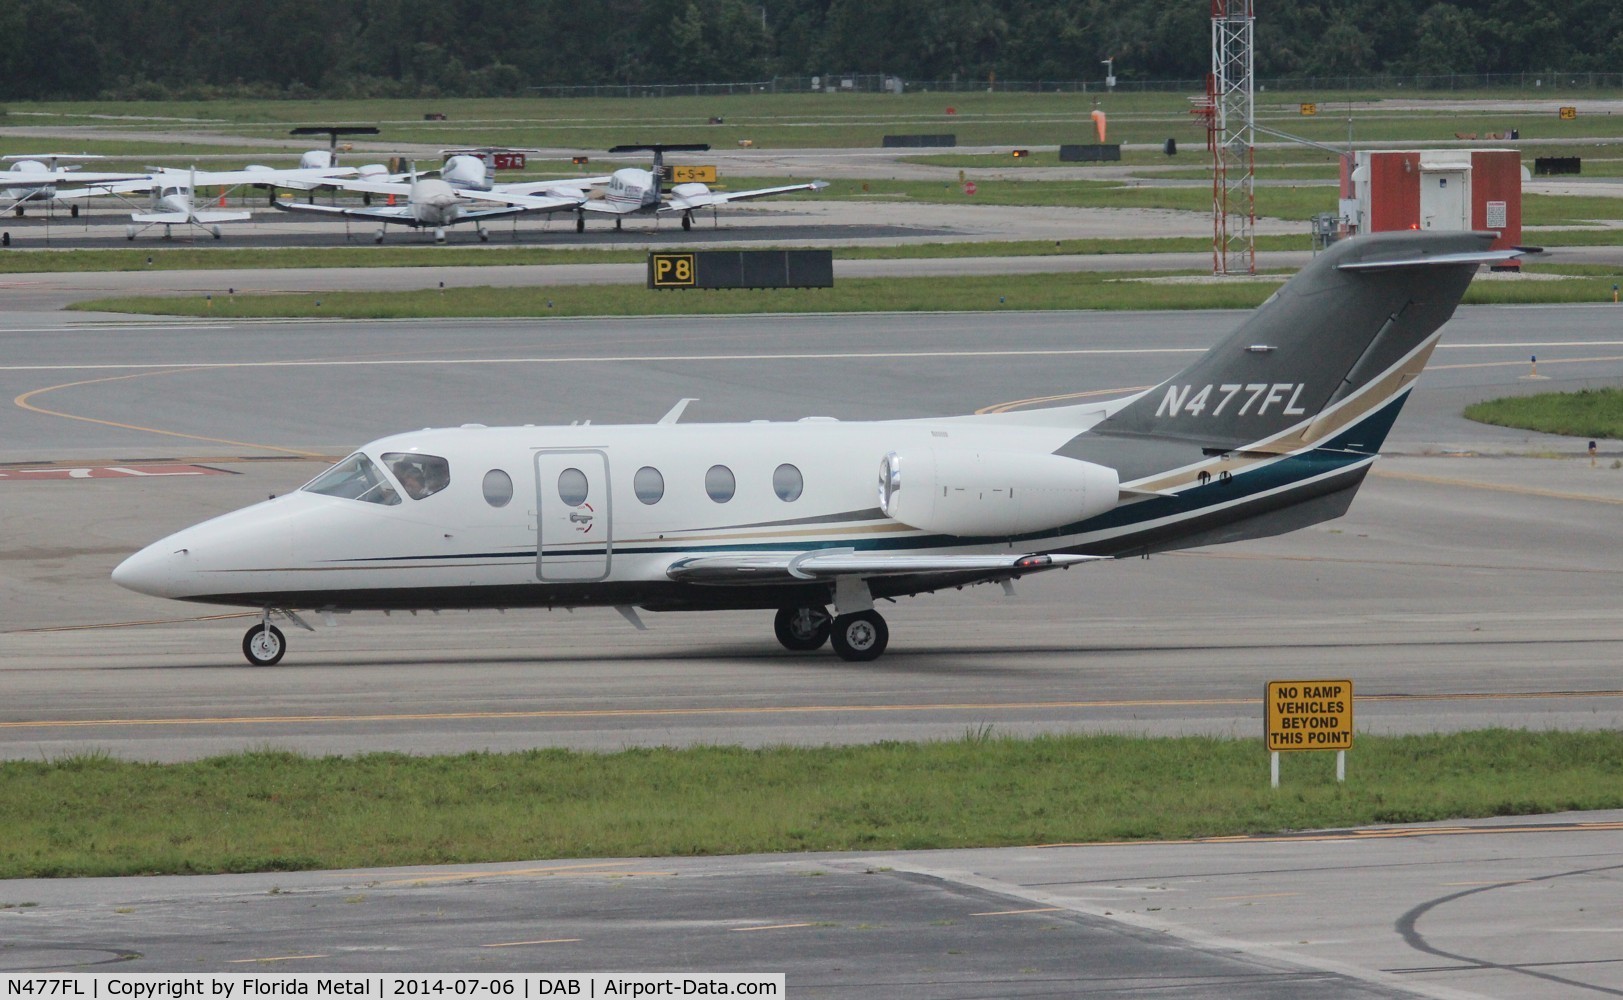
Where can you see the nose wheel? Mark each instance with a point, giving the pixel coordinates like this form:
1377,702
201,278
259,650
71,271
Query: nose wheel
264,645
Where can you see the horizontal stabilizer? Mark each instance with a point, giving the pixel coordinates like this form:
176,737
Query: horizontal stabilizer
1433,260
755,567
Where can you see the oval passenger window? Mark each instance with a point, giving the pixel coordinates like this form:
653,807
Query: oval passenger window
498,487
648,484
787,482
720,484
572,487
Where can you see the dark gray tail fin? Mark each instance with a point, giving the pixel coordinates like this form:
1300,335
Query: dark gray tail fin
1356,323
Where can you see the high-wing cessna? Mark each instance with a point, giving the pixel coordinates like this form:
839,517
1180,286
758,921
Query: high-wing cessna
172,194
35,176
635,191
1271,430
435,203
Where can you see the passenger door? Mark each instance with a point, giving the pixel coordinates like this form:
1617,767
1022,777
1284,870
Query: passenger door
573,524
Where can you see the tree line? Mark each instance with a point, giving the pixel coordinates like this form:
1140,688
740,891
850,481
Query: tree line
163,49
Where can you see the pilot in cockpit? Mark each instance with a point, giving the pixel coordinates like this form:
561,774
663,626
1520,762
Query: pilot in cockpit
411,480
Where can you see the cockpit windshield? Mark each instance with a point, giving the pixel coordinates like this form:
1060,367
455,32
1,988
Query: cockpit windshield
355,478
419,475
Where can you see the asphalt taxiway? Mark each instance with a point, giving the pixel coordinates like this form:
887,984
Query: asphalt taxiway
1473,583
1519,909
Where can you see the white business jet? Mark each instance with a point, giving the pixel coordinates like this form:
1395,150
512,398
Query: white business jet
434,203
1271,430
35,176
635,191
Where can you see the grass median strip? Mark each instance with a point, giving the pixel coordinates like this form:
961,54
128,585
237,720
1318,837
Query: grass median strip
956,293
275,811
1590,413
420,253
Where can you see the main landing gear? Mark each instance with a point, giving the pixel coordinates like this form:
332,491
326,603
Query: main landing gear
857,637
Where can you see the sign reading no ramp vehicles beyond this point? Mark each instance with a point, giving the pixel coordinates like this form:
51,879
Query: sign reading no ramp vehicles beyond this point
1309,715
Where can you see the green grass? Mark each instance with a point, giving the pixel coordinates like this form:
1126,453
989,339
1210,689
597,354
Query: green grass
421,254
806,120
1591,413
271,811
964,293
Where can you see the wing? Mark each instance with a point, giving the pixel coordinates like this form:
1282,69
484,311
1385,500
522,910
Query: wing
603,206
210,217
264,175
558,186
131,186
744,568
527,202
686,203
382,213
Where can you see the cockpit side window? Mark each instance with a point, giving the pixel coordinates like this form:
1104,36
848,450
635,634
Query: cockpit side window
419,475
355,478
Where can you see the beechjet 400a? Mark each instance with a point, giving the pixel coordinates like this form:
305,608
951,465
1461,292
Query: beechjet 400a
1271,430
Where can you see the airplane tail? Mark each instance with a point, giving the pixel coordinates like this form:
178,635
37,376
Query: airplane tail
1339,341
1295,403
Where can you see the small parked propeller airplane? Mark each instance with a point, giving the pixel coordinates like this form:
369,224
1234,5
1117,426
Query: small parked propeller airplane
1271,430
635,191
434,203
33,177
172,194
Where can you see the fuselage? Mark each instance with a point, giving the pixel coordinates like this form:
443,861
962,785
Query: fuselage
631,190
564,515
434,202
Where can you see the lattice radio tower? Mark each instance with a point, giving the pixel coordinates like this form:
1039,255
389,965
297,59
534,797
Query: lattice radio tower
1229,109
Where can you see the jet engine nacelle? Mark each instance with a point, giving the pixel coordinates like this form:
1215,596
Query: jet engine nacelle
978,493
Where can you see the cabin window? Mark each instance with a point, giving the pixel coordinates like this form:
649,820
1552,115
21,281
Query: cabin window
720,483
498,487
355,478
572,487
648,484
419,475
787,482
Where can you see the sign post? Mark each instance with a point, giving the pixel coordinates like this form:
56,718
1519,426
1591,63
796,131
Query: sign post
1308,715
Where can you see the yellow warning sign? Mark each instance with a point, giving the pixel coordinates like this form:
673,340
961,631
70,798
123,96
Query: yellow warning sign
1308,715
693,175
1309,108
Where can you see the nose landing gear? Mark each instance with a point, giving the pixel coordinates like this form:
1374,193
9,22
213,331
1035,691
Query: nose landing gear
264,645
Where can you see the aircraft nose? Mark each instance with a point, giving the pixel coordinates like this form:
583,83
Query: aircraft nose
156,570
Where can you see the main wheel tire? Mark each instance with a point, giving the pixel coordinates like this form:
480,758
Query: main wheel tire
264,645
803,629
687,220
860,636
580,224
